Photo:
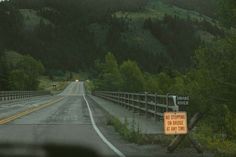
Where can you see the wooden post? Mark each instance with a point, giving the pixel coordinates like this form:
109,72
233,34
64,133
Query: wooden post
178,139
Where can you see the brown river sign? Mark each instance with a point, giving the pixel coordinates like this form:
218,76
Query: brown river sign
175,123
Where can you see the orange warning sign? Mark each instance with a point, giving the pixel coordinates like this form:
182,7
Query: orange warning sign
175,123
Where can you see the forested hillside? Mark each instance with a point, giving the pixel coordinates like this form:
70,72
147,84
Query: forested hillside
205,7
72,34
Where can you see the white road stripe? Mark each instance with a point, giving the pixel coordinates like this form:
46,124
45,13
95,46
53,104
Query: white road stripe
119,153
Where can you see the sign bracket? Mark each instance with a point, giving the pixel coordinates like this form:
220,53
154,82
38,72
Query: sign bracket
179,138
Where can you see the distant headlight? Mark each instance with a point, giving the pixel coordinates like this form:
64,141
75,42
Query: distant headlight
76,80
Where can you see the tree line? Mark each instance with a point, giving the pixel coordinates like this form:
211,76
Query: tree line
64,37
180,37
20,74
210,83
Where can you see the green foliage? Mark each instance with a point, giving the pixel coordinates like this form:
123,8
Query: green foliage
165,83
18,80
129,134
127,77
89,86
206,7
3,72
45,83
72,34
10,27
216,65
227,12
110,77
215,142
175,33
133,80
24,75
151,84
216,80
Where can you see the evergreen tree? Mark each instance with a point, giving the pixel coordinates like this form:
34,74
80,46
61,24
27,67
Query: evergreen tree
132,76
110,78
3,72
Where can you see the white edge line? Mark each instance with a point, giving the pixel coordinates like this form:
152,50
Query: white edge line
118,152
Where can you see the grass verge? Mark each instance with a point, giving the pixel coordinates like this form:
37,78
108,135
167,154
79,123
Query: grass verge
133,134
218,144
47,84
221,148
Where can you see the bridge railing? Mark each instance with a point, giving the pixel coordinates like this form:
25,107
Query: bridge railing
14,95
150,104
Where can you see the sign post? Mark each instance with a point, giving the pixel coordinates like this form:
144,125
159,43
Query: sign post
175,123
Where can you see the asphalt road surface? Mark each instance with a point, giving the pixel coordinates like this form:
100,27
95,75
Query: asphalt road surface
73,119
65,122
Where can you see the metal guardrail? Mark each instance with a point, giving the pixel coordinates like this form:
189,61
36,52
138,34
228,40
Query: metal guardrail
151,104
15,95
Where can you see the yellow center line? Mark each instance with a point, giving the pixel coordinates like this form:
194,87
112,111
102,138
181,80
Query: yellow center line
27,111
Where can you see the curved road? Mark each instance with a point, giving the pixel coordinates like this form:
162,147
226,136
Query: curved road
65,122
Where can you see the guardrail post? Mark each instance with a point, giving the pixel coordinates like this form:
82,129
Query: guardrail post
133,102
121,97
146,105
118,98
139,104
0,96
128,101
167,102
155,106
9,98
125,100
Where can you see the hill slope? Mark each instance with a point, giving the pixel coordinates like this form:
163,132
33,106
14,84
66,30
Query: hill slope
73,34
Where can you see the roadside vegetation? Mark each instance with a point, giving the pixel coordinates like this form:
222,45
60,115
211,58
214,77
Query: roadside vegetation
186,47
210,83
211,87
131,133
54,86
19,72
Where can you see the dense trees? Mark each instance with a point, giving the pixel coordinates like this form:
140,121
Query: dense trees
211,85
130,71
110,77
227,13
3,72
223,10
117,78
25,75
10,26
206,7
181,38
21,74
175,33
64,36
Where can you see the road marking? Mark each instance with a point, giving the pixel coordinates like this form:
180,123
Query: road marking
28,111
118,152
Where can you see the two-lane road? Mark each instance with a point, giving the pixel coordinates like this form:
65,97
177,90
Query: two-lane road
69,121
